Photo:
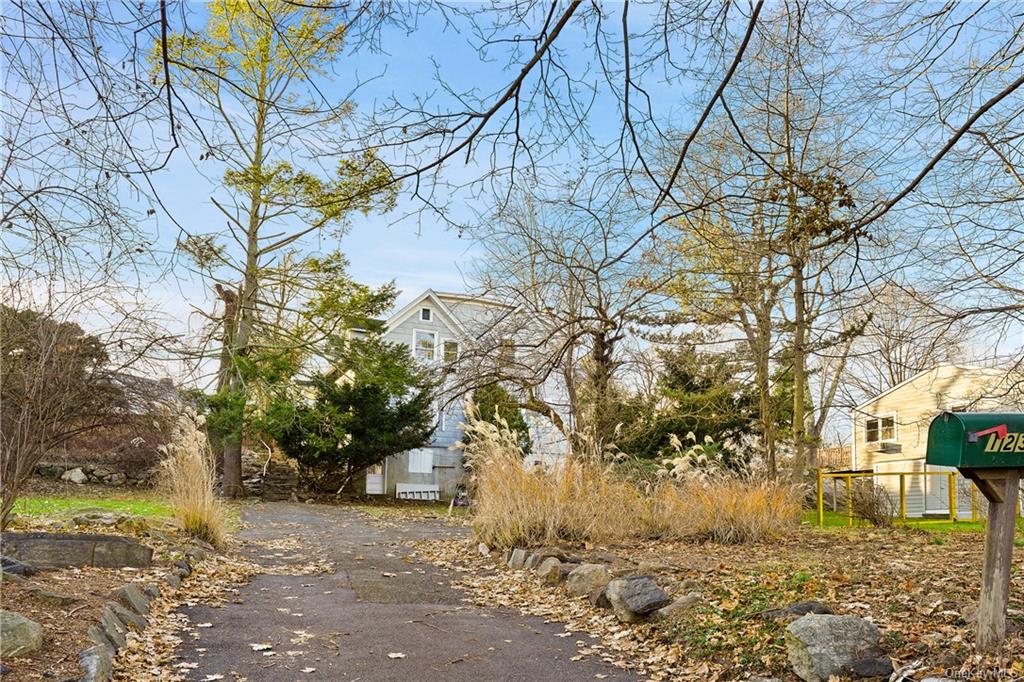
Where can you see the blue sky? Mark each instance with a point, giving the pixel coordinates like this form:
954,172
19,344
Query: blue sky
409,246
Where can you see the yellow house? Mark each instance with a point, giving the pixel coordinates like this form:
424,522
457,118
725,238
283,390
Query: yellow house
890,430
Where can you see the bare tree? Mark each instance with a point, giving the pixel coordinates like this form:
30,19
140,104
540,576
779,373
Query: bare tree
554,261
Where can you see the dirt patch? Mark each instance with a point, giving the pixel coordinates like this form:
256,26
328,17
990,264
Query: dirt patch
64,625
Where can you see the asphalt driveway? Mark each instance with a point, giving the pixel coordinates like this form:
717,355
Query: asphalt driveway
382,615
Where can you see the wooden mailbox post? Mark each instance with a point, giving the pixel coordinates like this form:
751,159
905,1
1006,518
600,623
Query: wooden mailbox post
987,448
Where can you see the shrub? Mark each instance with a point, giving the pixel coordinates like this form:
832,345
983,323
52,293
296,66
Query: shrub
872,503
189,480
581,500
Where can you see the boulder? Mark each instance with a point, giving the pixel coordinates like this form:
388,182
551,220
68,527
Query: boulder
11,565
132,621
483,550
517,560
152,590
635,597
538,557
678,607
173,580
552,571
586,578
51,597
113,628
18,635
183,568
97,664
599,598
59,550
798,609
75,475
198,553
98,636
132,597
822,645
13,577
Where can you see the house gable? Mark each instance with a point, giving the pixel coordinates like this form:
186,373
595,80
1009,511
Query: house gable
428,299
911,405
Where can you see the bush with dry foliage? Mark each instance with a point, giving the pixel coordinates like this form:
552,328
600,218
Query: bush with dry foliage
189,479
872,503
583,500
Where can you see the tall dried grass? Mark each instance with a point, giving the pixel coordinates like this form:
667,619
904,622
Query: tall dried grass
585,501
189,482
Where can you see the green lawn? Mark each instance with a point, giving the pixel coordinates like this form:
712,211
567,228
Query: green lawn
839,520
140,504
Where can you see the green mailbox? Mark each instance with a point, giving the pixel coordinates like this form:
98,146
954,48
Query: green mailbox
977,440
987,448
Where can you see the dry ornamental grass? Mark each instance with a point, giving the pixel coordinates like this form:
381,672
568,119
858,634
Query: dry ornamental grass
189,480
585,501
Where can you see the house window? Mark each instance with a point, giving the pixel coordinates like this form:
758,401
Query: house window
425,314
421,461
451,351
424,343
878,429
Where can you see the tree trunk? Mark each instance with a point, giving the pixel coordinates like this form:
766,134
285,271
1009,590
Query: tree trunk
231,483
799,371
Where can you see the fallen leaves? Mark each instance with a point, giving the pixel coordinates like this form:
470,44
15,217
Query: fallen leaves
898,579
149,655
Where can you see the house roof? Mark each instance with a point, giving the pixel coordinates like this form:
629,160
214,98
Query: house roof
435,298
972,368
470,298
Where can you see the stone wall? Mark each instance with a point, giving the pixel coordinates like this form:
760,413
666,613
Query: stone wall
96,473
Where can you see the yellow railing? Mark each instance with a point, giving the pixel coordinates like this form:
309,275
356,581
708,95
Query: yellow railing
848,477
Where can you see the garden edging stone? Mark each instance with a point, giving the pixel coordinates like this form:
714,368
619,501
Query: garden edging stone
127,612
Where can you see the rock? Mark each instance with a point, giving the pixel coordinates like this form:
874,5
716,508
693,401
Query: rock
116,478
132,621
874,666
599,598
678,607
197,553
13,566
183,567
604,557
173,580
151,590
98,636
51,597
483,550
14,577
75,475
59,550
635,597
96,663
798,609
517,560
586,578
552,571
538,557
113,628
653,567
822,645
132,597
96,518
18,635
